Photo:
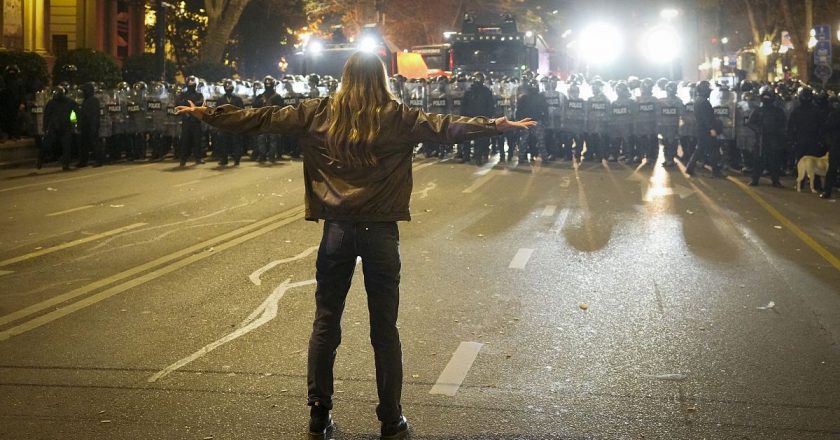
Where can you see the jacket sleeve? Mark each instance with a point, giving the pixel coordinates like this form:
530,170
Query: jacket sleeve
292,120
444,129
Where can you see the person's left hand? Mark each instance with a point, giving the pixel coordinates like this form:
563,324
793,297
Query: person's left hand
195,111
503,125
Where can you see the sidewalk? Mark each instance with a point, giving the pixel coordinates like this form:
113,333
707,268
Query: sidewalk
18,153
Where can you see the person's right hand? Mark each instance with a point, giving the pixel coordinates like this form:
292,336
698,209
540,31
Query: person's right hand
503,125
196,111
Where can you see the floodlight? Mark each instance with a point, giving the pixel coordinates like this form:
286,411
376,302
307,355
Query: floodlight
315,47
669,13
600,43
661,44
368,44
766,47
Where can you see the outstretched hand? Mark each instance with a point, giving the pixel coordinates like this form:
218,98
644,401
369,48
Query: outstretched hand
197,112
503,125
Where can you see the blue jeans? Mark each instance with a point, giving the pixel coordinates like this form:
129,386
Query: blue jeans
377,243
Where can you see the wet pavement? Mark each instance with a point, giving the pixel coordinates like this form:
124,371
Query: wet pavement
539,301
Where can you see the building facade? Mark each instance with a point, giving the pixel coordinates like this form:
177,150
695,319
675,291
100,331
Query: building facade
51,27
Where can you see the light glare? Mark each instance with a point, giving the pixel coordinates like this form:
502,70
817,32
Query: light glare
661,44
367,44
600,43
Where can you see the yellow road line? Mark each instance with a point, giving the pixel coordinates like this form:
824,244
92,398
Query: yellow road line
478,183
86,176
274,223
70,244
799,233
54,301
68,211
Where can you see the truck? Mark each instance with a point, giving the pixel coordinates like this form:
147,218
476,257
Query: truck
495,48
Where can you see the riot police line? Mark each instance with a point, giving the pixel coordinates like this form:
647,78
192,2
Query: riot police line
751,128
580,119
133,122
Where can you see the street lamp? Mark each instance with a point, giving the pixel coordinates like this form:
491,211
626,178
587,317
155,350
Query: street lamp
724,40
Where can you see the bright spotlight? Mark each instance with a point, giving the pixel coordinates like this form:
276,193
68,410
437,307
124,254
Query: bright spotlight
661,44
368,44
600,43
316,47
669,13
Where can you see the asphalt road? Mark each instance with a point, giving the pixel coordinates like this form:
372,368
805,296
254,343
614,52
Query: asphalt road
143,301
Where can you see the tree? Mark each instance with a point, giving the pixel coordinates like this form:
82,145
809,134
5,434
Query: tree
222,17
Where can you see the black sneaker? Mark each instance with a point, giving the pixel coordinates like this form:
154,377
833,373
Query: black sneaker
825,195
321,427
396,430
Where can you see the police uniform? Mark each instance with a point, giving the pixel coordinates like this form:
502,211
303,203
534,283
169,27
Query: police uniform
191,138
669,111
622,114
573,123
597,124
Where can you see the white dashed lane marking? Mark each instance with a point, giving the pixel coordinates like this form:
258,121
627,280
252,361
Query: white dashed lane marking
456,370
521,258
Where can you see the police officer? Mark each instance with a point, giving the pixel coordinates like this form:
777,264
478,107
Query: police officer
11,101
573,123
804,125
438,103
478,101
768,121
457,87
745,137
289,144
89,128
137,117
230,144
190,126
724,109
59,118
171,139
644,125
688,125
708,128
118,111
622,115
267,144
597,120
155,120
314,86
553,122
670,109
532,105
41,99
831,131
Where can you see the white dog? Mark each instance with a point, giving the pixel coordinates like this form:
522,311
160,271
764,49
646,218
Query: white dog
811,166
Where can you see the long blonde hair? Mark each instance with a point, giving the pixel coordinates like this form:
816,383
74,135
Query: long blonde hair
353,117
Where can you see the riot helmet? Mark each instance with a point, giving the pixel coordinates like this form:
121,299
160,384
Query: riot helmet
647,87
478,78
314,80
269,82
662,83
87,89
621,90
633,82
228,86
767,95
597,86
59,92
574,91
12,70
703,89
552,82
671,89
805,94
123,86
192,83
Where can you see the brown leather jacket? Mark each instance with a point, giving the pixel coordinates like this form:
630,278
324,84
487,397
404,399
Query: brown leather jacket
361,194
